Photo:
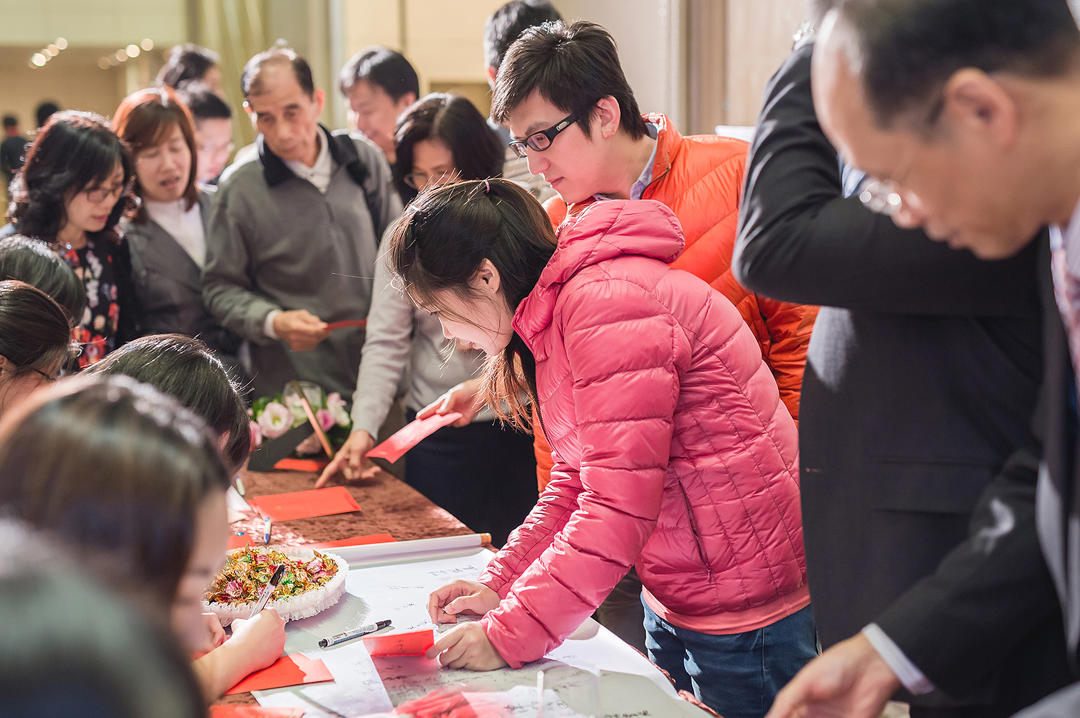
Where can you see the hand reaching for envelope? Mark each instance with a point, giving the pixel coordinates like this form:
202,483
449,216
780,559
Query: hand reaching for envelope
464,398
350,461
300,329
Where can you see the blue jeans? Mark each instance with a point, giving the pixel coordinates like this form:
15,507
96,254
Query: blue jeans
737,675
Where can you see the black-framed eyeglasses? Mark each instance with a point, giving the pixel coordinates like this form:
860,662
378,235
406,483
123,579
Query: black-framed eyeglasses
542,139
50,378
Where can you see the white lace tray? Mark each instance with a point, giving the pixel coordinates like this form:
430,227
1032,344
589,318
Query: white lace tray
294,607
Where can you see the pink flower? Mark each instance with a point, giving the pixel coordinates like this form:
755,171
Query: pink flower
326,419
256,434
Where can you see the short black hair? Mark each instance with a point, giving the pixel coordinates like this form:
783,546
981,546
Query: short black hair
249,79
34,262
187,62
44,111
204,103
11,121
476,148
509,21
186,369
906,50
573,67
383,67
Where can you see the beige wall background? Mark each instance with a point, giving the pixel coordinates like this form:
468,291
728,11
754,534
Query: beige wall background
704,62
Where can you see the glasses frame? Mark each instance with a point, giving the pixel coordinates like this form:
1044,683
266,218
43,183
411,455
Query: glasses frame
521,147
100,194
410,179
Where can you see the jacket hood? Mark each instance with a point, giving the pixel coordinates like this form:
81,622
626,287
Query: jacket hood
603,231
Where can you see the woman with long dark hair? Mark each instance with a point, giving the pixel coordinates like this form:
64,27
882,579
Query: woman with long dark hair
481,472
673,451
71,193
167,233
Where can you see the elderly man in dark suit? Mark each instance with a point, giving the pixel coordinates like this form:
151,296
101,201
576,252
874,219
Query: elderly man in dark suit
964,112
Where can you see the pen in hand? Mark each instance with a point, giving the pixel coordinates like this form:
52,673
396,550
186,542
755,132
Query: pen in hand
268,590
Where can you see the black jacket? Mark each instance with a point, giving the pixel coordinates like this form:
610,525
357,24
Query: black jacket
920,384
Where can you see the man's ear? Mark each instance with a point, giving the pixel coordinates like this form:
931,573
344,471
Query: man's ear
492,73
606,117
486,279
977,104
319,98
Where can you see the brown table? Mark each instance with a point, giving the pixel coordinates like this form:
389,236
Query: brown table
387,506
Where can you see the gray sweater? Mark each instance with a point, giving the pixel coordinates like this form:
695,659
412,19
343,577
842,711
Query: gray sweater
276,243
400,336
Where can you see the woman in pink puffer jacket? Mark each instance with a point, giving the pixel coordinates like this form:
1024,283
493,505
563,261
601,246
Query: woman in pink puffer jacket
673,451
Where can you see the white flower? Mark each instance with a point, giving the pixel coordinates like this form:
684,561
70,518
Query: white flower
275,420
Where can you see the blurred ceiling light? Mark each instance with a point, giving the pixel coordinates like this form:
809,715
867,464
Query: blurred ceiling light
147,44
132,50
61,43
103,63
53,48
120,56
38,60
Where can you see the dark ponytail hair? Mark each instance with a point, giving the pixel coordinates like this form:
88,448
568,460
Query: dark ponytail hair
74,151
34,330
439,244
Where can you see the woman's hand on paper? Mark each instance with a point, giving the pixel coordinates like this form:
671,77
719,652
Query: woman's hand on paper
466,646
351,460
465,397
260,640
444,604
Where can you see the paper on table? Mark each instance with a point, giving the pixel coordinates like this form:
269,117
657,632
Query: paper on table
354,541
395,447
292,670
254,712
310,466
306,504
411,643
358,691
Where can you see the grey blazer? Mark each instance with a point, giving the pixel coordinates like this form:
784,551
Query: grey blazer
168,285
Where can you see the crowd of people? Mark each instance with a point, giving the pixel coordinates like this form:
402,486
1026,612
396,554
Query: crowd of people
658,425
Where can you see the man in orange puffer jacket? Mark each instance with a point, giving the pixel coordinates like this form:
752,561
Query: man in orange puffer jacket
559,79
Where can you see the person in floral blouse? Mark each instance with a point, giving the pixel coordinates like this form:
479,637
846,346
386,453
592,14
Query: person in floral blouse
71,193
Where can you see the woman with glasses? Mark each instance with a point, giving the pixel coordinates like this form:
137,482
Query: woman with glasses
71,193
478,470
35,341
167,233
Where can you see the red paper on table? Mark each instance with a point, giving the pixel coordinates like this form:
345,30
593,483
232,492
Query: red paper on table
305,504
239,541
223,711
354,541
361,323
292,670
395,447
411,643
312,466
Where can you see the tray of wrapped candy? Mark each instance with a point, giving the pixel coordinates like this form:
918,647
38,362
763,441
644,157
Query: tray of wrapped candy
313,581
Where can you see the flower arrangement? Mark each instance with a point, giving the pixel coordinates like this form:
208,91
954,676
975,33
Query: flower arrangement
272,416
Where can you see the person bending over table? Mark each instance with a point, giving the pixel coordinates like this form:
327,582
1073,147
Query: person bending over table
673,451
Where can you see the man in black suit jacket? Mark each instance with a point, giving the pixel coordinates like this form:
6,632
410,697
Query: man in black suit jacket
965,113
921,381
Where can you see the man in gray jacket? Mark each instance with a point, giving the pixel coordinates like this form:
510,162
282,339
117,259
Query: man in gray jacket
294,233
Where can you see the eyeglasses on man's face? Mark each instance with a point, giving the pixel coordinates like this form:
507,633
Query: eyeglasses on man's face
541,139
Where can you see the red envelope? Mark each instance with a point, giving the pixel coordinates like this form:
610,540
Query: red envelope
393,448
239,541
354,541
361,323
412,643
305,504
311,466
292,670
223,711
